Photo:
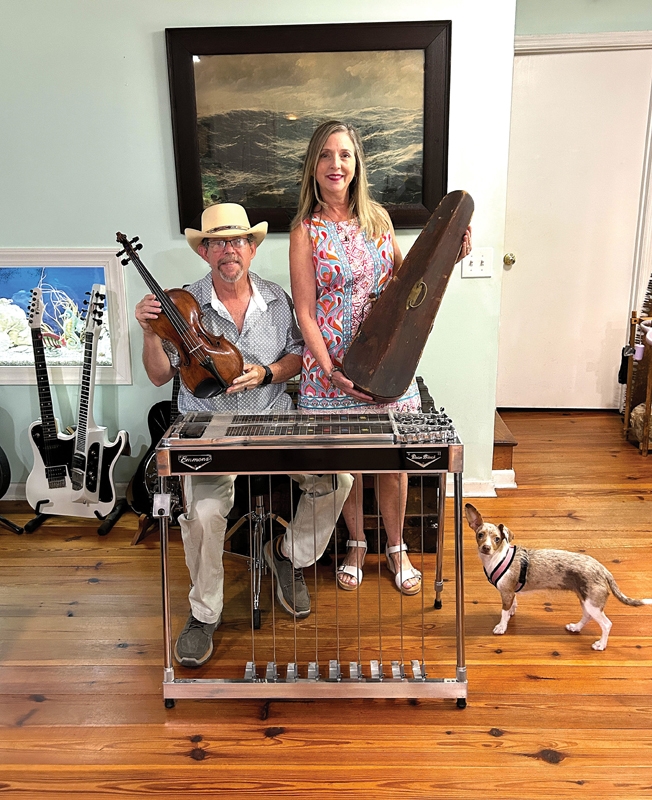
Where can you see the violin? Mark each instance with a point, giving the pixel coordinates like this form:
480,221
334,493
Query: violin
208,364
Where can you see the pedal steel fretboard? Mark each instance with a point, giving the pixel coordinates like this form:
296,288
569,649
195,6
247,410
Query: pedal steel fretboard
296,442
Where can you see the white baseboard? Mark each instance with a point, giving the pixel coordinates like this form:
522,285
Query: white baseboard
16,491
501,479
504,479
471,488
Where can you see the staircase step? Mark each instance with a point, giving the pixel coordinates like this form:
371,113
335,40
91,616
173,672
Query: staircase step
504,444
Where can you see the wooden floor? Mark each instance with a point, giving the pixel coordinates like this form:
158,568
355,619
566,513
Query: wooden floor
81,712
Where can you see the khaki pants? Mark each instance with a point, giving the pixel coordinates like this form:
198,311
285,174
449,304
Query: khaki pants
209,499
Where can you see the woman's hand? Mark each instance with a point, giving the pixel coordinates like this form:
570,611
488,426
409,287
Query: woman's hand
341,382
467,245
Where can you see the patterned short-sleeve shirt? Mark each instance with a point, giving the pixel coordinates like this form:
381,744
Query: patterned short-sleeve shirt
269,332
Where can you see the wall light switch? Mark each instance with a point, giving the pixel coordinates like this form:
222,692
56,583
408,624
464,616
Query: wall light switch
479,264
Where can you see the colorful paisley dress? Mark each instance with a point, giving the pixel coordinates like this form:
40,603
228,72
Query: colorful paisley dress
350,271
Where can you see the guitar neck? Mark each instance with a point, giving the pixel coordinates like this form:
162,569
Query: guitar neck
85,415
48,422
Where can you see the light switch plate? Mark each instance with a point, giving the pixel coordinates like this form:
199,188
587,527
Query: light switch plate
479,263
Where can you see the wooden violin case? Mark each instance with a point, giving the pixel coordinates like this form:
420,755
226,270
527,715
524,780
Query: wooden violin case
384,354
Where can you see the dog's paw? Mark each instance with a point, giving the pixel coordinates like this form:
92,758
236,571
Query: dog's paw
574,627
500,629
599,645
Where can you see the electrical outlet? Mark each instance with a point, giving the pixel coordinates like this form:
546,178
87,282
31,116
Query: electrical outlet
479,264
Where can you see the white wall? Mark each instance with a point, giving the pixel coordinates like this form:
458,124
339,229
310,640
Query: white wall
86,150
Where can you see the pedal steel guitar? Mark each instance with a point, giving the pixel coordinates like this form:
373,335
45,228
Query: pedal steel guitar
201,443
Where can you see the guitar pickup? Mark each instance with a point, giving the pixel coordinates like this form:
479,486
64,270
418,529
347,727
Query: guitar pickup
192,430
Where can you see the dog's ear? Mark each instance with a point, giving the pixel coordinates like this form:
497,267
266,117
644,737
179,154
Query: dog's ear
508,536
473,516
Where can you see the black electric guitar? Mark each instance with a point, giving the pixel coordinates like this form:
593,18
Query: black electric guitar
144,483
48,486
94,456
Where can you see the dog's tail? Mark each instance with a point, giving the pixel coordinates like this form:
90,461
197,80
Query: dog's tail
628,601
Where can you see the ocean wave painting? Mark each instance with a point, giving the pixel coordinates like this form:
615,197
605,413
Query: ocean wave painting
256,113
64,291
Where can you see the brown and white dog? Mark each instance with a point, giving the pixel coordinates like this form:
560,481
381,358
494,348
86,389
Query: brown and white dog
511,568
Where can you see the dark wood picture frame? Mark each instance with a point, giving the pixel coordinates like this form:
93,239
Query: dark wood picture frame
433,38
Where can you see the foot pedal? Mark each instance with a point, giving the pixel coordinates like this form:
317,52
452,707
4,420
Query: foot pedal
355,671
271,673
313,671
250,672
397,671
292,674
376,670
334,673
417,673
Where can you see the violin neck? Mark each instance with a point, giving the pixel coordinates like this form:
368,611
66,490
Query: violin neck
149,279
167,306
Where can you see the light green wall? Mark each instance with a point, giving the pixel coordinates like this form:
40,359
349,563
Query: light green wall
86,149
582,16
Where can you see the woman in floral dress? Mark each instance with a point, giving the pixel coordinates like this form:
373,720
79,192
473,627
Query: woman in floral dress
343,253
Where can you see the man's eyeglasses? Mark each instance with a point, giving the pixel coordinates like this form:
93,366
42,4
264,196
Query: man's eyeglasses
220,244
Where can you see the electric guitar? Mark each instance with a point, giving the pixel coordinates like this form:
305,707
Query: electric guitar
144,483
48,487
94,457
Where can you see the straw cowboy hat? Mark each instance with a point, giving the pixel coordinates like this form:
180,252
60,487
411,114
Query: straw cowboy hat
225,221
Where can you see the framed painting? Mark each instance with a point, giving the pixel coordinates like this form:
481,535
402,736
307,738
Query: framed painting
65,278
245,101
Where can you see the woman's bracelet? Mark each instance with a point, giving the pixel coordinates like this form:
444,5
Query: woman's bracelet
331,373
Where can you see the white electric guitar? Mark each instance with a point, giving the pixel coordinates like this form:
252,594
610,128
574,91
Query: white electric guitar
94,457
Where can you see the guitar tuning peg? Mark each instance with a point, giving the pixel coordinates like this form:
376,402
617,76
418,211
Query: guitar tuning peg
124,261
121,253
134,240
86,301
138,247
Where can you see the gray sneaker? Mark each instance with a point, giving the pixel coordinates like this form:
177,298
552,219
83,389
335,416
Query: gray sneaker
295,601
195,643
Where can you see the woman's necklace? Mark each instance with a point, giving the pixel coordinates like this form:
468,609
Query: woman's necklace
343,235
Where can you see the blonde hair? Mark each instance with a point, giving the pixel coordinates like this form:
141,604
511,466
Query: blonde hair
372,217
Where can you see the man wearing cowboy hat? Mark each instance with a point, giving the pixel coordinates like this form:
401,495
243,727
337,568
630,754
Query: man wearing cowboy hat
257,317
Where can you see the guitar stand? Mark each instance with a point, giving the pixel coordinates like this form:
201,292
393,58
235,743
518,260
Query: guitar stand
146,524
108,522
11,525
36,521
113,516
257,518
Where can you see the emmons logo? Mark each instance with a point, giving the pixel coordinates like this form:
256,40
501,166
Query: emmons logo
195,462
423,460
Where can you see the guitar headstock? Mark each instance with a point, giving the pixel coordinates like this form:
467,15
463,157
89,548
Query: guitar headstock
95,308
129,247
35,310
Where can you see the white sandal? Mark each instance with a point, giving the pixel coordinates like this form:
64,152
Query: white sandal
351,569
402,575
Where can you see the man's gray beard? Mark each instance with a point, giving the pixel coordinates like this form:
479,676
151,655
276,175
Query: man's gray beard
229,279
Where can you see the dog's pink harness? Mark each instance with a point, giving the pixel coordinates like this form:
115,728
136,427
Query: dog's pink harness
501,568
